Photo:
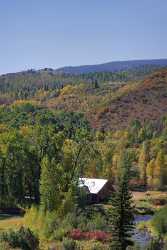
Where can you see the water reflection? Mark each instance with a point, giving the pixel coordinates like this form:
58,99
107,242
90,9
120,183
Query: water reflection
142,237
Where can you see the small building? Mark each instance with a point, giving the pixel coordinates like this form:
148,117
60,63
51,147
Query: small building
97,189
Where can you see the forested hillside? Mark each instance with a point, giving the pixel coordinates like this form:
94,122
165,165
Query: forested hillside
55,128
101,97
104,116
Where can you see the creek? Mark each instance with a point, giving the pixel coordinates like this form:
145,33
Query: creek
142,237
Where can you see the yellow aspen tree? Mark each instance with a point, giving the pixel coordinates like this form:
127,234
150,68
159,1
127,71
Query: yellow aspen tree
150,173
143,160
159,170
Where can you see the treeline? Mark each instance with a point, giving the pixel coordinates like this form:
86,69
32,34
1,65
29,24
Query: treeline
25,85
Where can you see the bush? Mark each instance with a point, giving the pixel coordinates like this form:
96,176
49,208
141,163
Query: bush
22,238
97,223
159,221
90,219
91,245
68,244
45,223
159,202
77,234
4,246
97,246
155,244
34,214
59,234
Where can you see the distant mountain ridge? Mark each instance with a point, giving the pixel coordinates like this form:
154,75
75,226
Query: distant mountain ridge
109,67
113,66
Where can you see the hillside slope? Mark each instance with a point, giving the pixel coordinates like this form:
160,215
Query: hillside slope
145,101
109,105
112,108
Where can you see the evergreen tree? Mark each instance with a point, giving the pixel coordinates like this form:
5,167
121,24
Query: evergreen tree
121,213
96,84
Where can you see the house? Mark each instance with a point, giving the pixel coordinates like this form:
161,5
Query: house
97,189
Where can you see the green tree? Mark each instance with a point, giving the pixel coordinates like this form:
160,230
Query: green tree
150,173
50,195
16,169
121,213
160,171
143,160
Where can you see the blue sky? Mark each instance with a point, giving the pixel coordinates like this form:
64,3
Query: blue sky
55,33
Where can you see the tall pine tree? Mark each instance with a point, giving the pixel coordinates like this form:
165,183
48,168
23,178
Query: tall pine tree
121,213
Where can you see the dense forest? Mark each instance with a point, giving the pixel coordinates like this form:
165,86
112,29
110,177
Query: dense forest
55,128
30,134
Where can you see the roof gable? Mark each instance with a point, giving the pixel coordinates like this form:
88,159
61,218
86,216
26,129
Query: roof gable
94,185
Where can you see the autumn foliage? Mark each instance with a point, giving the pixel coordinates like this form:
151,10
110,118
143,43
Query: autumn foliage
77,234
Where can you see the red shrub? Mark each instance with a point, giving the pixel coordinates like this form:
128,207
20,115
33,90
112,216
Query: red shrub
77,234
100,236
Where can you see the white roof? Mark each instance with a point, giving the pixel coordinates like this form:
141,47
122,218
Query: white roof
94,185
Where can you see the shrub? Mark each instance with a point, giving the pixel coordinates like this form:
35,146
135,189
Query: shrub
159,202
51,223
155,244
4,246
59,234
33,214
45,223
97,246
159,221
69,222
97,223
77,234
99,235
22,238
68,244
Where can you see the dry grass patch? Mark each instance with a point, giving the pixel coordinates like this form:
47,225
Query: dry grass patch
10,222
